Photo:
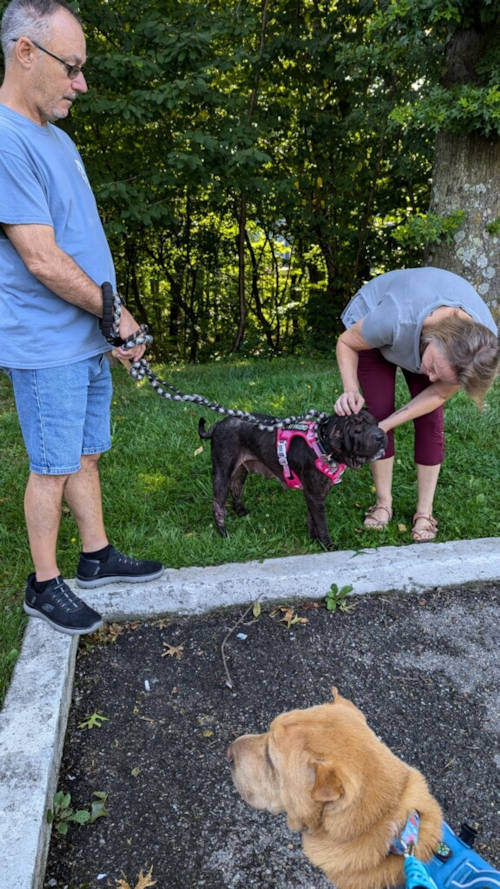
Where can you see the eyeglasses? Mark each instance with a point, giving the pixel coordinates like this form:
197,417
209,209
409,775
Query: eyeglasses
73,70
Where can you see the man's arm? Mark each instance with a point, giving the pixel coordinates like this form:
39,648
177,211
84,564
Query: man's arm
55,269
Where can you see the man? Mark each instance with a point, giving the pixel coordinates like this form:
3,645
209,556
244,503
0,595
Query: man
53,258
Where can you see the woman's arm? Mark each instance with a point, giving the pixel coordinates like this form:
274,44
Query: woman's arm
426,401
349,345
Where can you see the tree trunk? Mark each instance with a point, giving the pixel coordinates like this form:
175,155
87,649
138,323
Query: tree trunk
242,218
242,304
466,176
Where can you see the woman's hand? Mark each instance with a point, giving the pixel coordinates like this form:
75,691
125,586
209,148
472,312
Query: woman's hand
349,403
349,345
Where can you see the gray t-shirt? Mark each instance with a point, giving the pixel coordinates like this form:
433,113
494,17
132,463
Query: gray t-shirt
394,307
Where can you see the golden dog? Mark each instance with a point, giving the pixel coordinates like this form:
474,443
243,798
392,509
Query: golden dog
341,787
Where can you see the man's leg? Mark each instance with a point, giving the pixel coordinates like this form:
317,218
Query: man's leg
47,595
51,405
82,493
42,503
42,509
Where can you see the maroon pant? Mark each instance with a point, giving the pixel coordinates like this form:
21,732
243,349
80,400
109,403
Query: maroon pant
377,378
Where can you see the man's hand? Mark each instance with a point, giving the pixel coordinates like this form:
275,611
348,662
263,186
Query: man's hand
349,403
128,326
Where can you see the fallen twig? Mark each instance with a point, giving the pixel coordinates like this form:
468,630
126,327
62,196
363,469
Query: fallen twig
229,681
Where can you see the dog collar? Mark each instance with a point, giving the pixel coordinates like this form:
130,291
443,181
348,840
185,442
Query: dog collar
407,839
307,431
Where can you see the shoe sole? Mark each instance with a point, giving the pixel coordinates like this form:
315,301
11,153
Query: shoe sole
102,581
68,631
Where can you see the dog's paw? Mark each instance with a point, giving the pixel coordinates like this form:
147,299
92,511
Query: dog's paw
240,510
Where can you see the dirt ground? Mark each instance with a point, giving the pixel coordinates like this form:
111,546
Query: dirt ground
423,668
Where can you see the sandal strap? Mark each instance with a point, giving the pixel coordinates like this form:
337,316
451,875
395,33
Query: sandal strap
429,518
372,509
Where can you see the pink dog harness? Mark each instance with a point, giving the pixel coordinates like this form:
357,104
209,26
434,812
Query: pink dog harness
307,431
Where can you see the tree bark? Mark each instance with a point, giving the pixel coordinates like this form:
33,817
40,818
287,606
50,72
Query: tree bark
466,176
242,217
242,303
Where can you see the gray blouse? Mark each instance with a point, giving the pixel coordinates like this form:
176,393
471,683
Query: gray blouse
394,307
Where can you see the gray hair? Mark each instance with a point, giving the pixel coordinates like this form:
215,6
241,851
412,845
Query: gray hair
28,18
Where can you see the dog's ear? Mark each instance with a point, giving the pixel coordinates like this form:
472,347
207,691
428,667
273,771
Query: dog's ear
335,693
327,784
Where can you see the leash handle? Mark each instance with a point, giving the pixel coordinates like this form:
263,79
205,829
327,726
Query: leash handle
108,302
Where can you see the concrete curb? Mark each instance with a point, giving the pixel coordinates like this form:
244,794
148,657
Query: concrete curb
32,728
197,590
33,720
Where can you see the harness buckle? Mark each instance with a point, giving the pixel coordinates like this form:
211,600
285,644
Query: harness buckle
281,452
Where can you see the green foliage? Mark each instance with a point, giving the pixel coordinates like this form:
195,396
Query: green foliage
199,117
62,813
494,227
442,14
428,228
95,720
335,599
247,157
462,108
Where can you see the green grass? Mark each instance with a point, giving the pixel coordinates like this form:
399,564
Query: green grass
157,485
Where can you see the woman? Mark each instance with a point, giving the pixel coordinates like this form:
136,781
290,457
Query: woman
434,326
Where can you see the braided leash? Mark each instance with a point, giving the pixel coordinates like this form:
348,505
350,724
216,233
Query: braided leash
110,326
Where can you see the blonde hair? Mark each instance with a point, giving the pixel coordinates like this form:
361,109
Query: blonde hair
471,349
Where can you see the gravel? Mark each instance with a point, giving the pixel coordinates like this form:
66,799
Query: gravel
423,668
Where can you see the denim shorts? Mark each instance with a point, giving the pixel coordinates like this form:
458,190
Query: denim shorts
63,413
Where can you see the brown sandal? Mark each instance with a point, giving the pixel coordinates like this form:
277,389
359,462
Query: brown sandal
427,532
372,522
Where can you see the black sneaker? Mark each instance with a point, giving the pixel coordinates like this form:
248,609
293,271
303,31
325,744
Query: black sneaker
115,567
61,608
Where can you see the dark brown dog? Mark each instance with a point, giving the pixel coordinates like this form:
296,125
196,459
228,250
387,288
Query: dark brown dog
239,447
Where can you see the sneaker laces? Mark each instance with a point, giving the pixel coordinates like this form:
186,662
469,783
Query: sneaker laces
64,598
129,561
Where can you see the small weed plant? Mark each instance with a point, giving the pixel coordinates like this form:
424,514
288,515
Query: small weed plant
335,599
62,813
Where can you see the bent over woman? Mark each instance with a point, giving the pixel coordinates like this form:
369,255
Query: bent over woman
434,326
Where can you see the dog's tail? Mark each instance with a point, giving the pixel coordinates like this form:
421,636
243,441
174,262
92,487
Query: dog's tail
202,432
